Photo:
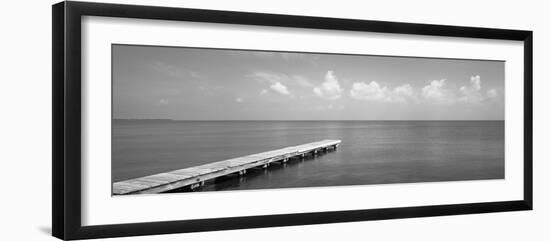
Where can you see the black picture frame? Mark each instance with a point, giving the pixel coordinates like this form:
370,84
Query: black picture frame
66,127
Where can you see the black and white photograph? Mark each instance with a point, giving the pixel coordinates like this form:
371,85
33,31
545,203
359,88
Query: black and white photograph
275,120
189,119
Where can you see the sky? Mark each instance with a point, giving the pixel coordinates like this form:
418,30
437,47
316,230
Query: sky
152,82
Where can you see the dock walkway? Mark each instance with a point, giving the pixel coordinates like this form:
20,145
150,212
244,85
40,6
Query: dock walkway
194,177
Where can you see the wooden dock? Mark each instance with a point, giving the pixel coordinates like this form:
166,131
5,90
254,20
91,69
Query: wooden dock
195,177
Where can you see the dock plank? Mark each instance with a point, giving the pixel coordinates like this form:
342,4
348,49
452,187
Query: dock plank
188,176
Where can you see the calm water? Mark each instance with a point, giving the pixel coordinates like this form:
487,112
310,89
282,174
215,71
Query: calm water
372,152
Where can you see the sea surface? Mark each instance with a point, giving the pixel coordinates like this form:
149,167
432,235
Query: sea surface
372,152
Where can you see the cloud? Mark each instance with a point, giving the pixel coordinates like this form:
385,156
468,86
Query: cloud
471,93
330,88
436,92
374,92
405,93
163,101
279,88
282,78
279,82
371,91
492,93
